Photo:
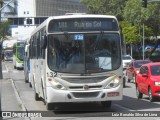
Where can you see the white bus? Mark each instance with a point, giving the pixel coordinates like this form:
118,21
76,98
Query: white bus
8,55
26,62
77,58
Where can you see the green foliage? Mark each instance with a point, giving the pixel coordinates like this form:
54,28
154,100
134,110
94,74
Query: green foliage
130,32
109,7
131,15
4,28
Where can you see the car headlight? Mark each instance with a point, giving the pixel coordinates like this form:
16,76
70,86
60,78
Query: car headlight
137,71
114,83
157,83
55,84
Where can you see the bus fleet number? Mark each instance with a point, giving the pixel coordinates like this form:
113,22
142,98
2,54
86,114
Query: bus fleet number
51,74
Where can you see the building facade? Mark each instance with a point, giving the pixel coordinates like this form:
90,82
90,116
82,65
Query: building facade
59,7
30,13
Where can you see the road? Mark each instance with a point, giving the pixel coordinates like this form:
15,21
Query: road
16,95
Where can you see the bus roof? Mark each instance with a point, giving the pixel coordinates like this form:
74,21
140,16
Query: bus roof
81,16
71,16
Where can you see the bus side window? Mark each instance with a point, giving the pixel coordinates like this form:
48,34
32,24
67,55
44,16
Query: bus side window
42,51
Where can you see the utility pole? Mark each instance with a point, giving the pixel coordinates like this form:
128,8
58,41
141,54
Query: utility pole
1,57
143,41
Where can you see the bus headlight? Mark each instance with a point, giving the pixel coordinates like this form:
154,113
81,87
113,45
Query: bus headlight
114,83
55,84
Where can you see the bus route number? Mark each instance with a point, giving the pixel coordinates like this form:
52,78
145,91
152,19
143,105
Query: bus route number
79,37
51,74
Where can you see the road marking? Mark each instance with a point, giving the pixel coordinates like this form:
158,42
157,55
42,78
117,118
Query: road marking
5,71
18,96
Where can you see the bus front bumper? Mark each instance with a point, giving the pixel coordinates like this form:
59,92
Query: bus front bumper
57,96
19,65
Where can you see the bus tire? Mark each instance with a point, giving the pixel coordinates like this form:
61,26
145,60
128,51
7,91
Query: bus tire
106,104
44,98
30,85
124,82
26,80
36,96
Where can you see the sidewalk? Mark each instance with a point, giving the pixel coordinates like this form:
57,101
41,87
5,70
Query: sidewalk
9,98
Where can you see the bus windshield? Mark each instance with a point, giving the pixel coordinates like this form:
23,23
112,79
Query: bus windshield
8,53
20,53
84,53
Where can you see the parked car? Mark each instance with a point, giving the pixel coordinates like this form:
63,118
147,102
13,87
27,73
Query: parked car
148,81
133,69
149,48
125,60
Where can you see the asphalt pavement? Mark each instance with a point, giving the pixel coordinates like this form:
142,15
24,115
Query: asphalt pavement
9,95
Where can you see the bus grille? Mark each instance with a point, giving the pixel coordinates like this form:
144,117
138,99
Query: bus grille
82,87
85,94
85,80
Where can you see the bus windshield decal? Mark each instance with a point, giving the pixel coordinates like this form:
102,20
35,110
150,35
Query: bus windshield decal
83,24
105,63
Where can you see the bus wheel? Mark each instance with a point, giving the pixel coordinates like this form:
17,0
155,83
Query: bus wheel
30,85
26,80
124,82
36,96
106,104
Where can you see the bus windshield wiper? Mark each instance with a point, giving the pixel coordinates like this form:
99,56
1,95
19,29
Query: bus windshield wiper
97,41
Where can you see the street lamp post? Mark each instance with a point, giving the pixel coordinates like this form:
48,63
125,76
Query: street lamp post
0,45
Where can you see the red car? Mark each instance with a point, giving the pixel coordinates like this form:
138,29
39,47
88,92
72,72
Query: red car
133,69
148,81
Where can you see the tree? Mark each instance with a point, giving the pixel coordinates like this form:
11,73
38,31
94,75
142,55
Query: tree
136,15
4,29
130,32
107,7
154,20
3,25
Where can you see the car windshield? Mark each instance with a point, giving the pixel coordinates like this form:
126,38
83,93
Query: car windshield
155,70
140,63
84,53
127,58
